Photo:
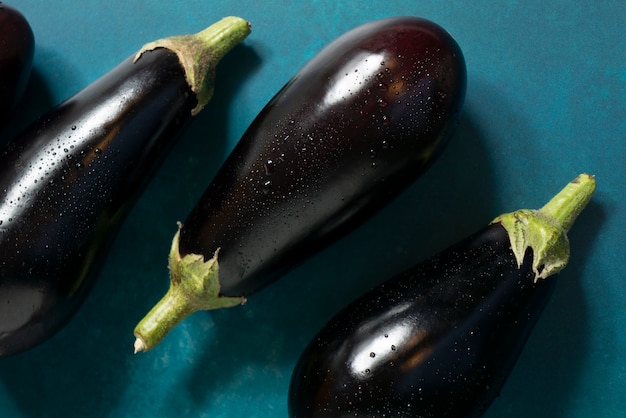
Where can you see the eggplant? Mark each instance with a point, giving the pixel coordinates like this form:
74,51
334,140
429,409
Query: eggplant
68,180
17,48
353,128
440,339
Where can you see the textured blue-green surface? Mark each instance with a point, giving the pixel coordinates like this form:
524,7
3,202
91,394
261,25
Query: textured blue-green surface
546,101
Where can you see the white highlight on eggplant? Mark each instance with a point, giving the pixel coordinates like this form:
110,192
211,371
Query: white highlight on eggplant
55,155
354,73
374,351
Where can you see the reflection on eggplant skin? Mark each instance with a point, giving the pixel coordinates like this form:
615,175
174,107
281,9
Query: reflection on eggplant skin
352,78
397,342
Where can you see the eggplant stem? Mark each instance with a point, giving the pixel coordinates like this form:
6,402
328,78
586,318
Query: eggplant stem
200,53
565,207
194,286
164,316
545,230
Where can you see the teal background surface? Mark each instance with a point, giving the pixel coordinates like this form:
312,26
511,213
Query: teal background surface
545,102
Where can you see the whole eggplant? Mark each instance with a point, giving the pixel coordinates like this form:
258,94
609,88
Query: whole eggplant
68,180
440,339
17,48
354,127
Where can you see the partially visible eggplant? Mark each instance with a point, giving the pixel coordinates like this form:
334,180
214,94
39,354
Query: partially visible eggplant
17,48
440,339
68,180
352,129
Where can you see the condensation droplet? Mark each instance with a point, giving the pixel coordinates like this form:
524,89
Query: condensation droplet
270,167
267,186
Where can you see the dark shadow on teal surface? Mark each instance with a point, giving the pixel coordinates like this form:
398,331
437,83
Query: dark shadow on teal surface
451,200
35,101
84,369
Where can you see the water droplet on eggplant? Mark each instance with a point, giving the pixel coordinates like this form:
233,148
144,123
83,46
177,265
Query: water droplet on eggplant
267,186
270,167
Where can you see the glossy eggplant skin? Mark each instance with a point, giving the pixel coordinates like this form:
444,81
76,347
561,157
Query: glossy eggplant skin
67,182
438,340
354,127
17,48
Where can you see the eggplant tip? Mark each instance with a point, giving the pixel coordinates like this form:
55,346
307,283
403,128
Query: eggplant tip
139,345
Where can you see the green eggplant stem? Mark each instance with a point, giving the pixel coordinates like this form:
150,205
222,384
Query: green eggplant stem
194,286
545,230
200,53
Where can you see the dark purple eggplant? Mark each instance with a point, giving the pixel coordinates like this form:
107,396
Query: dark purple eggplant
17,48
68,180
440,339
354,127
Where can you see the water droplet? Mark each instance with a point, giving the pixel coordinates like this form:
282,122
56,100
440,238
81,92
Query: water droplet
372,354
73,127
381,103
383,87
270,167
97,150
393,347
267,186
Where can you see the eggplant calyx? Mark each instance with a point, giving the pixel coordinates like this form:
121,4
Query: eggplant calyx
200,53
545,230
194,286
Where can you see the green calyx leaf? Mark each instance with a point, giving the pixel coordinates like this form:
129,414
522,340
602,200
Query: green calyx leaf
545,230
530,229
198,279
